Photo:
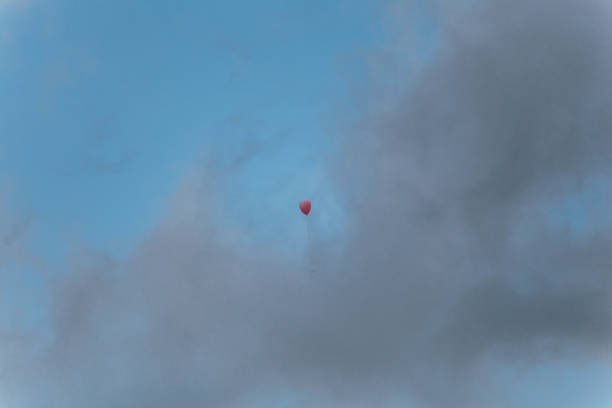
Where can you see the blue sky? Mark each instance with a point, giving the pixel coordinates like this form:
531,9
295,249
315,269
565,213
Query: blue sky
106,106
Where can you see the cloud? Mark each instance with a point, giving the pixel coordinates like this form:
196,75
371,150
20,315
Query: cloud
16,225
447,268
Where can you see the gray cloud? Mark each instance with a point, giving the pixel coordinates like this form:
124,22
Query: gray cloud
448,269
16,230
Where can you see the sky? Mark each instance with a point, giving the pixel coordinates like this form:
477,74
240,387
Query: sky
457,155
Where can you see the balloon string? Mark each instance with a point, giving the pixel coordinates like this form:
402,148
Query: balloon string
309,247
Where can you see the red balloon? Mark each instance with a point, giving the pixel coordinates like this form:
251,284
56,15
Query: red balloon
305,206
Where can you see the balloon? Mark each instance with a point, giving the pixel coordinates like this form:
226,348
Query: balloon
305,206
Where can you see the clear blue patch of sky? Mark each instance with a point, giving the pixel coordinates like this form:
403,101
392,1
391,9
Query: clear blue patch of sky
104,103
584,212
566,381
